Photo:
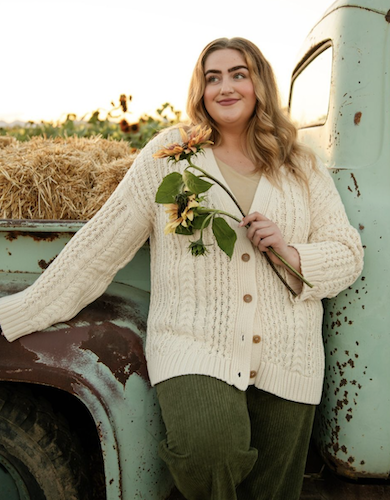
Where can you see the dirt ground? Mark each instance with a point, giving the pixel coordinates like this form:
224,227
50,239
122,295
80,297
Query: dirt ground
329,487
321,484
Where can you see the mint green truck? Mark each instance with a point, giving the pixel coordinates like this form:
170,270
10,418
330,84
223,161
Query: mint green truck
78,418
340,101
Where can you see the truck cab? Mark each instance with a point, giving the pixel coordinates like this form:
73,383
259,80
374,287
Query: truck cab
340,101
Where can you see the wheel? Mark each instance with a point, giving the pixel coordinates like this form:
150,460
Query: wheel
39,456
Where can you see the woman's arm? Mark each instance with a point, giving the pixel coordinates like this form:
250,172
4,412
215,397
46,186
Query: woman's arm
89,262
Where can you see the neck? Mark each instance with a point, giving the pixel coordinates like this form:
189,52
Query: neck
232,151
232,140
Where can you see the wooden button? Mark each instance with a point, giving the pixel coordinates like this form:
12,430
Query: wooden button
256,339
253,374
245,257
247,298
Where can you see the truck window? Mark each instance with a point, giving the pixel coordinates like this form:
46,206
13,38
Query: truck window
310,91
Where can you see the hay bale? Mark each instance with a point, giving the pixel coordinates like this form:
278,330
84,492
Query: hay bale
6,140
67,179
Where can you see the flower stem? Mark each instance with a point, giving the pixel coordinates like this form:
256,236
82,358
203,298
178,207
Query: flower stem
208,176
270,248
214,211
211,213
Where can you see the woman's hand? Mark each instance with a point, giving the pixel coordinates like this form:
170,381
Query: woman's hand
264,233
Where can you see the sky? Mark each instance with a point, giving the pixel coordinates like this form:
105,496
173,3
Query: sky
75,56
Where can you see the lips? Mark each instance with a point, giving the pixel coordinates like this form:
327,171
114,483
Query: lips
227,102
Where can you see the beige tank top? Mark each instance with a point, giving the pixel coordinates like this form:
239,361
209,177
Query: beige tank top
243,186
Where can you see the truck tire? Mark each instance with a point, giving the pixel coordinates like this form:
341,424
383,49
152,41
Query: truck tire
39,457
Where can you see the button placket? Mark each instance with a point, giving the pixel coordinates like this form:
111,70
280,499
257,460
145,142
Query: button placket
247,273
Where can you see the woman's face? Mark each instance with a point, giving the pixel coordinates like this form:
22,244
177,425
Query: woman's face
229,96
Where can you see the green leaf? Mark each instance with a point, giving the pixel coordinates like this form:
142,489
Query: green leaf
169,188
195,184
226,236
184,230
198,221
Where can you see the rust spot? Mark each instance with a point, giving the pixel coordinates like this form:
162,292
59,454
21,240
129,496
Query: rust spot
357,118
346,469
356,184
43,264
36,236
11,236
361,227
387,17
13,351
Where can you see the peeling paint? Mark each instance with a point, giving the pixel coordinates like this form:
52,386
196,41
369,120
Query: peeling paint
120,350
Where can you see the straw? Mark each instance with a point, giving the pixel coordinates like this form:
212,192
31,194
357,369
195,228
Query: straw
67,179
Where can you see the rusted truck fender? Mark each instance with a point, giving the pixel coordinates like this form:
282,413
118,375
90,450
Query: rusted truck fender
98,358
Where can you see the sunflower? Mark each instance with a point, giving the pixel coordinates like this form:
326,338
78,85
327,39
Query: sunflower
173,151
180,213
196,139
192,143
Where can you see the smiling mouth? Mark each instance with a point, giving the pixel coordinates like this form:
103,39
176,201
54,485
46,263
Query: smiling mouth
227,102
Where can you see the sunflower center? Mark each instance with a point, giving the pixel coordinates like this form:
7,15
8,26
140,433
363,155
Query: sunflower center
182,201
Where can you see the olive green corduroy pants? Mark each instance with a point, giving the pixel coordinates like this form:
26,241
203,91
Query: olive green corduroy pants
225,444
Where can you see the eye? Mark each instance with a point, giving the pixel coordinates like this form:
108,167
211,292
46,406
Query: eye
212,79
239,76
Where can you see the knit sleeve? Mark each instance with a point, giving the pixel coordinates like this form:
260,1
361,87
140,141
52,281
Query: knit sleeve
332,259
89,262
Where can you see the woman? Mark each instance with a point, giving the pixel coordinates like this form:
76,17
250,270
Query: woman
236,358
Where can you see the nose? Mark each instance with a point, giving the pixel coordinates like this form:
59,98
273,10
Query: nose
226,86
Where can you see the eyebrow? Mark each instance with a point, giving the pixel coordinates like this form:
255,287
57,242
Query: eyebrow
235,68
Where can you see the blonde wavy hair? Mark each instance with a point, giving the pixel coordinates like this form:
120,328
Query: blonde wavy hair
271,138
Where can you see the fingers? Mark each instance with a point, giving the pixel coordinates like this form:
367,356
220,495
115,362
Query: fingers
254,216
260,228
261,238
262,232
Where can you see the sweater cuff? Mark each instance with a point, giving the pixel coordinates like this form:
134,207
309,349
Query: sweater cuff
12,314
311,269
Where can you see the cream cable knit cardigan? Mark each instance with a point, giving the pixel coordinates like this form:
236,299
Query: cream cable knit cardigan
205,311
